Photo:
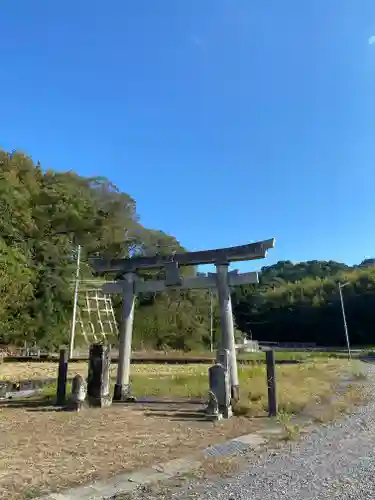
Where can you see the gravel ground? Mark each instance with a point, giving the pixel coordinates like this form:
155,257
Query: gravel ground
335,461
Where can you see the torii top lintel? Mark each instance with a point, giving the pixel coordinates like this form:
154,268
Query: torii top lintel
251,251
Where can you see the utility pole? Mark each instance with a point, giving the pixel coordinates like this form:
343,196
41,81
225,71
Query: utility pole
211,323
75,302
344,319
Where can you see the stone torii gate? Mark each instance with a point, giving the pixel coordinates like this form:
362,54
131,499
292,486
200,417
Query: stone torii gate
131,285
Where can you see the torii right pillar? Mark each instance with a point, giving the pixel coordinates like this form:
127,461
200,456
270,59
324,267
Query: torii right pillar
227,326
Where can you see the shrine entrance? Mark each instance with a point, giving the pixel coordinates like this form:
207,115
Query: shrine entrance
222,280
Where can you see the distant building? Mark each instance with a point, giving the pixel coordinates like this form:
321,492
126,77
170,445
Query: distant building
248,346
367,263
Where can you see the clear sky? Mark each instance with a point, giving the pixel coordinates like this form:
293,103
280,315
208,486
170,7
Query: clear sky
228,121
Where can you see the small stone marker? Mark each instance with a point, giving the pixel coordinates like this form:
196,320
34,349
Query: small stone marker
98,377
3,390
79,391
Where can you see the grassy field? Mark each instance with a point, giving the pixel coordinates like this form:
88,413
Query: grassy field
280,354
62,449
16,371
296,384
245,356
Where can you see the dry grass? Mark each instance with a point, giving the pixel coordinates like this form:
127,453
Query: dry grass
44,450
297,386
209,468
217,466
34,370
296,383
290,430
52,450
328,410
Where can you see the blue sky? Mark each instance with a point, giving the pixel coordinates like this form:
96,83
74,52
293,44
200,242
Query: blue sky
228,121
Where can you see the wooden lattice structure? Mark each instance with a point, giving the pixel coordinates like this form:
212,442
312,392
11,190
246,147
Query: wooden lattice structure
95,320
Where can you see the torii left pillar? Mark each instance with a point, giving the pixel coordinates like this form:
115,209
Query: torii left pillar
122,386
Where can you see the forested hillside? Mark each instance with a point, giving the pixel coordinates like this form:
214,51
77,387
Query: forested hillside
46,214
301,303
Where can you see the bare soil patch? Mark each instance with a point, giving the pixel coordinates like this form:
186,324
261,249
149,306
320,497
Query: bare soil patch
43,450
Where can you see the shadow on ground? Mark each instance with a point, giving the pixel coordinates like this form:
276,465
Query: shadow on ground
177,415
174,409
27,403
46,404
160,400
367,359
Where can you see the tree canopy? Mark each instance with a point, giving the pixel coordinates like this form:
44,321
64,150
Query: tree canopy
44,216
301,303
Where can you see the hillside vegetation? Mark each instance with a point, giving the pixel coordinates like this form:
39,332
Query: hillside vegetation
45,214
301,303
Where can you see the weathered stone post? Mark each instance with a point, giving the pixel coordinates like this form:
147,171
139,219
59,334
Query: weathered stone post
98,376
227,327
122,386
271,383
61,377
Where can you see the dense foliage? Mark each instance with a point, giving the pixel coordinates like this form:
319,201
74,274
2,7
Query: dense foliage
301,303
45,214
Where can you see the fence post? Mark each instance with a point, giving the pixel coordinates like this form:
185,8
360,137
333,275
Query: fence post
61,377
271,384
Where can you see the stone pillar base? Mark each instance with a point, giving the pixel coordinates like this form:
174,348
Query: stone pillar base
122,393
227,412
214,416
235,390
102,402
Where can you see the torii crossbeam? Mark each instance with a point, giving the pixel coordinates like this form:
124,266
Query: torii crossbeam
240,253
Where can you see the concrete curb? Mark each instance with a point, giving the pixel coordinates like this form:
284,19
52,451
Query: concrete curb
128,482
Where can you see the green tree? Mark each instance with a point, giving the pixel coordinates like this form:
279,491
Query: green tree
44,216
